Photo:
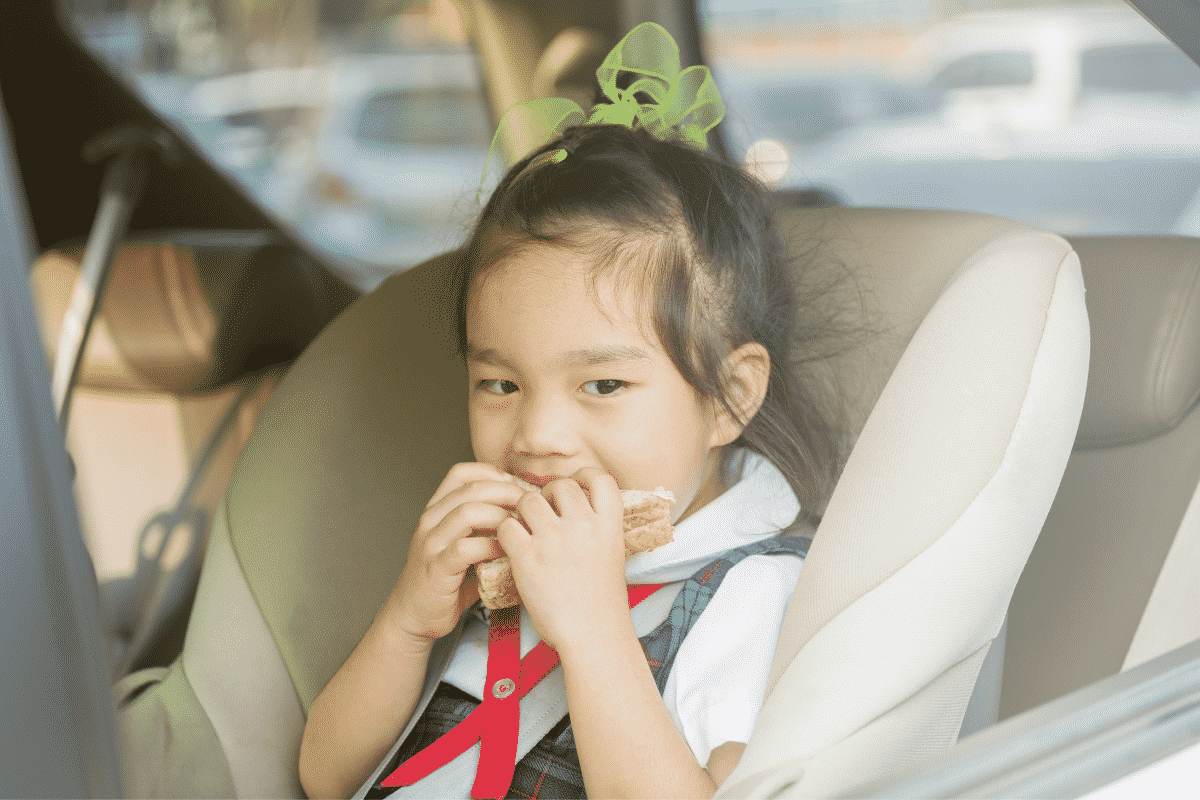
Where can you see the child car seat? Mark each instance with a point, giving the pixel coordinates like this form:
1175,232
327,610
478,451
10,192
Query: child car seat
969,400
973,401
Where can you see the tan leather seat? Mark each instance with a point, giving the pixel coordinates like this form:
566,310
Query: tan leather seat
190,323
983,352
1135,466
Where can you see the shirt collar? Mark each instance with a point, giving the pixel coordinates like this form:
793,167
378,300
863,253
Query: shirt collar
759,504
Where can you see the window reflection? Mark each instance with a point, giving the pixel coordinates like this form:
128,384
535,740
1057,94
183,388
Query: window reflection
979,70
1075,116
432,117
1153,67
362,125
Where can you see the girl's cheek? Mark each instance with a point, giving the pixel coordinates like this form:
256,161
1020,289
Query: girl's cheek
493,405
485,402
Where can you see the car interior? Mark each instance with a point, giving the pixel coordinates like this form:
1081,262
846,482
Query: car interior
1022,451
196,331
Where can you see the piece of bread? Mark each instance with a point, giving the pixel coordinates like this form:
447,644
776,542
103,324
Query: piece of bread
647,525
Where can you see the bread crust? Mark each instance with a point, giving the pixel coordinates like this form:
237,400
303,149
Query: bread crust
646,523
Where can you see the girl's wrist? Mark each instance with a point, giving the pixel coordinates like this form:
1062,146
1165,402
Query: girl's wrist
399,637
609,634
409,644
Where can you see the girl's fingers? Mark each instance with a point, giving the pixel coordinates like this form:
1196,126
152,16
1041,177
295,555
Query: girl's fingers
535,510
512,536
497,493
468,472
526,485
460,524
602,490
566,497
464,519
471,550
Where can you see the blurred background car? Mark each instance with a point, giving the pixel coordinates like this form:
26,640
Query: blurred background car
1030,69
396,161
773,117
1081,120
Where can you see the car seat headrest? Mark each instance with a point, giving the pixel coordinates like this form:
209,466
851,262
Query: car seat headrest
1143,295
189,311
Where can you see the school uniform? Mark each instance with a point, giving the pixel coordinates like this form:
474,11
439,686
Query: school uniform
726,565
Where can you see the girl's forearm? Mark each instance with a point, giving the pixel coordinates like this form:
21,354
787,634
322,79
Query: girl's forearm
627,744
362,710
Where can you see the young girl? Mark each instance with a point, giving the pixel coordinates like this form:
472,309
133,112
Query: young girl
627,318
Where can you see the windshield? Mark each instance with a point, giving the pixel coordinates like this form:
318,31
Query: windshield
363,126
1078,117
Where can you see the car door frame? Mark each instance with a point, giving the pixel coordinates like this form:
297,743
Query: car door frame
57,731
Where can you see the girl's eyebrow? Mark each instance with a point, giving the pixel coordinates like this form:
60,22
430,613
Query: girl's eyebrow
605,354
582,357
486,355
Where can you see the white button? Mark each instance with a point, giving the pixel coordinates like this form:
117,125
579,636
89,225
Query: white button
503,688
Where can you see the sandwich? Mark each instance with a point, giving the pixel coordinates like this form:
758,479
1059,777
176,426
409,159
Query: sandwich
646,523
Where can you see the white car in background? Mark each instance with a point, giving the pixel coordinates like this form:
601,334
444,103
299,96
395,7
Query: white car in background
1077,120
1029,70
397,161
774,116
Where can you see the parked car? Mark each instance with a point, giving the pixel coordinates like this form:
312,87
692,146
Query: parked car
1080,121
396,162
805,106
1029,69
775,116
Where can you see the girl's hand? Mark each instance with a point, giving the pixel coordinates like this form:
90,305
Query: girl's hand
431,593
568,558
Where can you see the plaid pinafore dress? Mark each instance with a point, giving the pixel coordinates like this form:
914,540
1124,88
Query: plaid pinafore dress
551,768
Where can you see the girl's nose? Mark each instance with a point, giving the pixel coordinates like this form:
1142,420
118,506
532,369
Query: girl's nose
543,427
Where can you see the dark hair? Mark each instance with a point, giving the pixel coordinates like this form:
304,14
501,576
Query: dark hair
715,273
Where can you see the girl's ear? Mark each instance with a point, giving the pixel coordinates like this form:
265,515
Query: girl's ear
748,368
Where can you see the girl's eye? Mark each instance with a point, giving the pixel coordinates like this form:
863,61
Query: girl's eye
603,387
498,387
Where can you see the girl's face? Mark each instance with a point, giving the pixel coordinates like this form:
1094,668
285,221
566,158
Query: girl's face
559,381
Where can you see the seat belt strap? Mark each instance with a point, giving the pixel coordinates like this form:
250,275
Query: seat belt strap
501,713
1172,615
152,601
495,722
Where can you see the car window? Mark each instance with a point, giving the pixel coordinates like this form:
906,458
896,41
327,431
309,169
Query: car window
361,126
980,70
810,111
1139,68
1077,115
431,117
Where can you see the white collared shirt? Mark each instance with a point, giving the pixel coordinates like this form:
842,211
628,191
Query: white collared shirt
719,678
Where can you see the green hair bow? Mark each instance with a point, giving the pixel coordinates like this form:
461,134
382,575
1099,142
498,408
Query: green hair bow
684,101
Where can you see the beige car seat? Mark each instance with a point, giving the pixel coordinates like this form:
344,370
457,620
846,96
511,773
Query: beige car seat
1135,467
907,584
195,328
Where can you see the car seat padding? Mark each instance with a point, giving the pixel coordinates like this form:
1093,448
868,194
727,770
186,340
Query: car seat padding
363,442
